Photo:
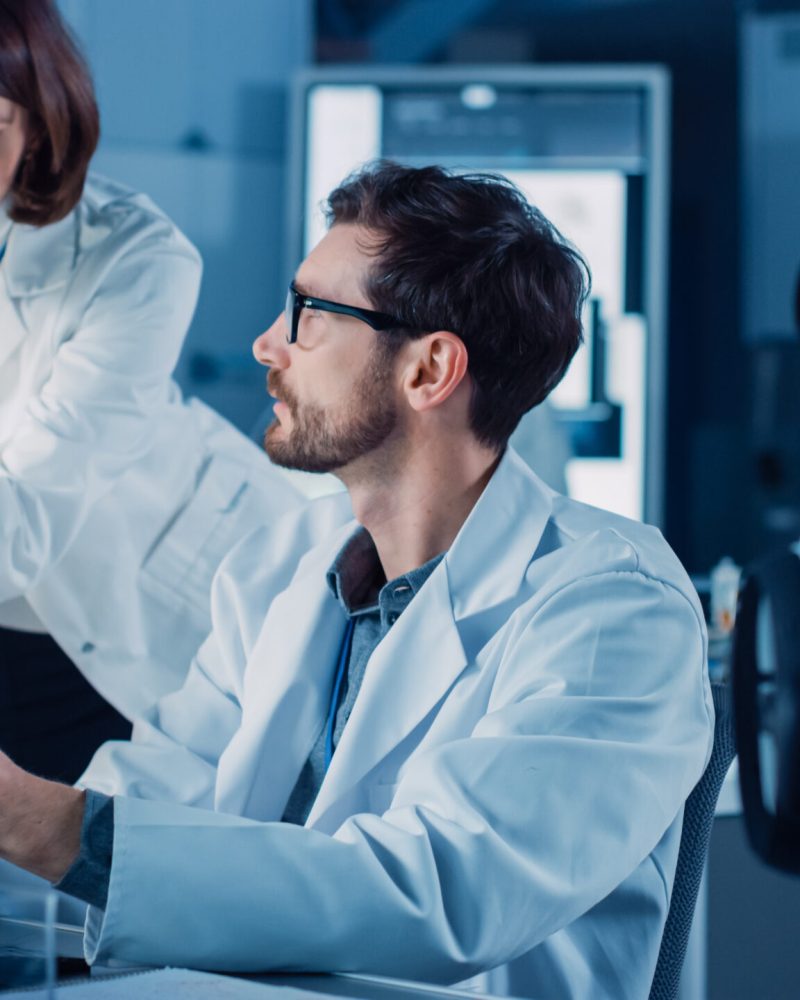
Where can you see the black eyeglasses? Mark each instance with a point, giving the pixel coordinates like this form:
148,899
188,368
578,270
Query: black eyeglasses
296,302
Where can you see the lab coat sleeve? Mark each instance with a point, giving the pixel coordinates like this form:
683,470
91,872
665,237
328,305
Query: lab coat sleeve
176,745
597,727
173,755
94,417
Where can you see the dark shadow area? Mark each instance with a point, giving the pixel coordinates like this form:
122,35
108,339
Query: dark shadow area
752,920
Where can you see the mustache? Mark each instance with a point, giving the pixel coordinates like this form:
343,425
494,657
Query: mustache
276,388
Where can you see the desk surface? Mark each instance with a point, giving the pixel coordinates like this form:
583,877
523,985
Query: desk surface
69,943
153,984
371,988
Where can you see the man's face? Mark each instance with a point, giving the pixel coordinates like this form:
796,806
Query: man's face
336,389
315,438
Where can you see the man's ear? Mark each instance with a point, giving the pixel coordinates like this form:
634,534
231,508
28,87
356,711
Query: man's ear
436,367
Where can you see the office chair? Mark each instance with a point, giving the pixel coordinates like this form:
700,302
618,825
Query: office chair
765,681
698,817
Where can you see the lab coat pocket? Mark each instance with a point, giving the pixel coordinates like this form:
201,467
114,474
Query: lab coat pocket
181,562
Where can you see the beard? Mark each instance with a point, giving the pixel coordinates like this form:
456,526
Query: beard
325,441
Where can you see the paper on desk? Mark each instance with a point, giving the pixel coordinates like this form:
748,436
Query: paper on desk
177,984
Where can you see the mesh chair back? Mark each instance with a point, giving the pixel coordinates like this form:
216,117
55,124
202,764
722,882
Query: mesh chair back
698,817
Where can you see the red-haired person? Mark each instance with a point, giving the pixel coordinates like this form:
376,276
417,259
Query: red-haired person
117,498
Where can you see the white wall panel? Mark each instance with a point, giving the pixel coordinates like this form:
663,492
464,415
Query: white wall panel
193,100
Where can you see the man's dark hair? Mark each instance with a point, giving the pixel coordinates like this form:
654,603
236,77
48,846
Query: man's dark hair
467,253
42,70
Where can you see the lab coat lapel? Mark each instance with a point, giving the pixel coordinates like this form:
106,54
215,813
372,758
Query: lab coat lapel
37,261
407,675
286,688
12,329
444,626
40,259
492,552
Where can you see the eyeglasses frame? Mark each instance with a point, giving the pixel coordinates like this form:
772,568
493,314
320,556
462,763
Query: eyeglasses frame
297,301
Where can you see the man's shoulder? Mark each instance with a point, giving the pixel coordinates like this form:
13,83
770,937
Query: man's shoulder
555,534
115,218
581,541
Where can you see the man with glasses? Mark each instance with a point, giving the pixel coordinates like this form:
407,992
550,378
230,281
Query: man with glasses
451,738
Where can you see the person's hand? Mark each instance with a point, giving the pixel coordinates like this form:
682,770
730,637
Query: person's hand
40,821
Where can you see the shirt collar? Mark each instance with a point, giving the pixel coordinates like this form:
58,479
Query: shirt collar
356,575
357,581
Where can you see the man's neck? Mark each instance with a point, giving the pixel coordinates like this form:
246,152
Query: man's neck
414,510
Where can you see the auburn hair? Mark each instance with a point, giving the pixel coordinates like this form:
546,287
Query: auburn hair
43,72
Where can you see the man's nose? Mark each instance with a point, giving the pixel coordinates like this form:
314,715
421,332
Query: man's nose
270,347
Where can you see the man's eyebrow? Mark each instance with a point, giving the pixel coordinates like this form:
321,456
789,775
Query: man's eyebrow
305,289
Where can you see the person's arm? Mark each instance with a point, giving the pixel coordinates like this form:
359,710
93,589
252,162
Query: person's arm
49,829
87,877
176,745
40,822
175,749
94,416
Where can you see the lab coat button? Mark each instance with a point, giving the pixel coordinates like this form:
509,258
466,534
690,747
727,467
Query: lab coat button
87,647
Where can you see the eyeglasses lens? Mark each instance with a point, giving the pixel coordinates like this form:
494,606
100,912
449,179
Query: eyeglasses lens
289,316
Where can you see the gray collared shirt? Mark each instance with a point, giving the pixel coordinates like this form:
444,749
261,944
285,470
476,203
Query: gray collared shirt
357,581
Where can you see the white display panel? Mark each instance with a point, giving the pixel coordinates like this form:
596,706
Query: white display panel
344,131
588,207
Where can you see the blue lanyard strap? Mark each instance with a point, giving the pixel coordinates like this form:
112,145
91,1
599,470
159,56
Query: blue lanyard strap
344,656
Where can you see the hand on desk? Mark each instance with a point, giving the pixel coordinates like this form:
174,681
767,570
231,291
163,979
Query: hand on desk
40,821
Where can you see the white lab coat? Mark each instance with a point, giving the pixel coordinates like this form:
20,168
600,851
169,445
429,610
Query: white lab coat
507,794
117,498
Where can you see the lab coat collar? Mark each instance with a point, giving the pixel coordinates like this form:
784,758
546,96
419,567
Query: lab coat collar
5,222
288,680
408,674
286,684
355,577
36,261
492,551
40,259
440,633
12,328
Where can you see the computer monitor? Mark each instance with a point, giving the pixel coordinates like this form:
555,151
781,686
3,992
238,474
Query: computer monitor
588,146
